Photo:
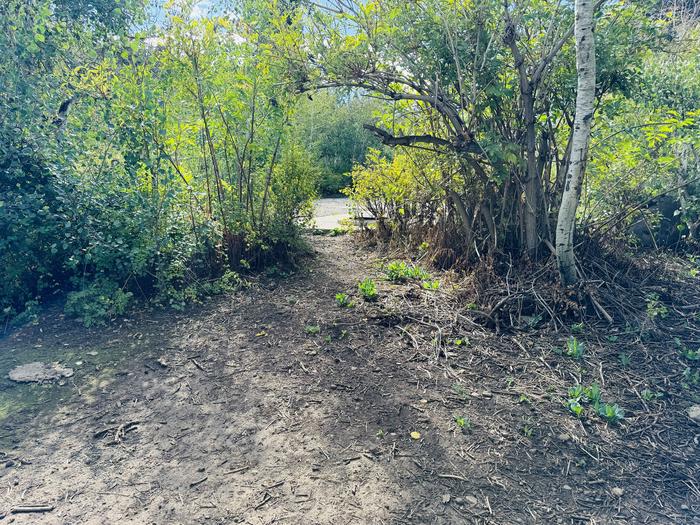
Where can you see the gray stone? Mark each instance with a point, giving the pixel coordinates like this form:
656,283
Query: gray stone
37,372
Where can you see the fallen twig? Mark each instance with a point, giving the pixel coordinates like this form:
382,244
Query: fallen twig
27,509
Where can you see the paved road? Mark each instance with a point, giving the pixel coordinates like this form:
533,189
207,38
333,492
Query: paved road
329,212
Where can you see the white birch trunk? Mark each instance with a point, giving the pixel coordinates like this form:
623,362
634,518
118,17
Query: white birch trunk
585,98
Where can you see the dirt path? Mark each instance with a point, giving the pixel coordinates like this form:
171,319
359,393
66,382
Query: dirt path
237,412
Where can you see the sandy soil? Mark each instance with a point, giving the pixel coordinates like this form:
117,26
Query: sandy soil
236,411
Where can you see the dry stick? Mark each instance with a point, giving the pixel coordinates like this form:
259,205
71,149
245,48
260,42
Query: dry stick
237,470
195,483
27,509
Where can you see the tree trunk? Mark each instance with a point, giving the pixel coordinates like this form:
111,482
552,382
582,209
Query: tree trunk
533,180
585,97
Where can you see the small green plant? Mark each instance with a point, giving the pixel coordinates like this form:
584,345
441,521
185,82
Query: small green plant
625,359
528,431
523,399
343,300
380,434
312,329
463,422
399,271
579,395
327,339
575,392
574,348
368,289
575,407
577,328
431,285
649,395
592,393
461,342
690,378
690,355
611,413
655,307
461,391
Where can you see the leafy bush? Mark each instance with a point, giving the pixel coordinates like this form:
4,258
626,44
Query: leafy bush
118,199
98,302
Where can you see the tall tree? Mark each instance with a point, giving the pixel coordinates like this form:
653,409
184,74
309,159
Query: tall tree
585,99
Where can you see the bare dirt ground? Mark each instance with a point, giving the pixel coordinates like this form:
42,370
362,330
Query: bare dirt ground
237,411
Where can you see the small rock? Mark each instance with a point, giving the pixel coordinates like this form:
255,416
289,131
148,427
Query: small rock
617,492
472,500
566,487
694,413
564,437
445,498
459,500
487,394
684,507
9,463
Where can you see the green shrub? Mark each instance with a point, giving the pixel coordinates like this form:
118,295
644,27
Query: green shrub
97,303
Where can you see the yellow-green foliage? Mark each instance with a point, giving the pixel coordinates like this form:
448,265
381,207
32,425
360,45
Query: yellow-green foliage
389,188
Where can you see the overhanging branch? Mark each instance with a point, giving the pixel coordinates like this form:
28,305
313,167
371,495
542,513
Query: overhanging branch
410,140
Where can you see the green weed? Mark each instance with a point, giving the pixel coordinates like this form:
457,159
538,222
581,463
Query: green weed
399,271
368,289
431,285
577,328
649,395
312,329
464,422
574,348
655,307
343,300
579,396
611,413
